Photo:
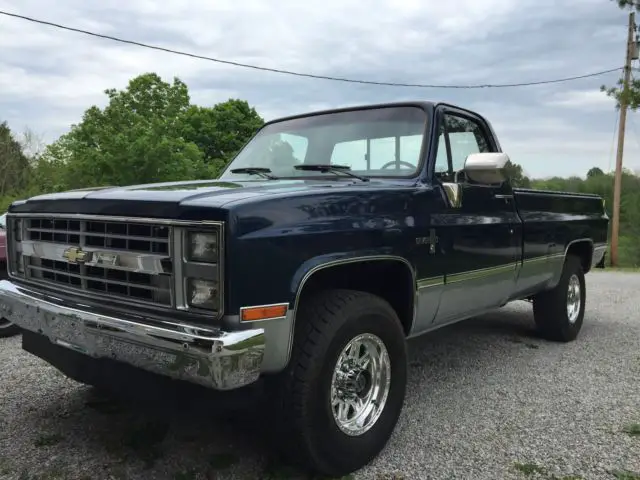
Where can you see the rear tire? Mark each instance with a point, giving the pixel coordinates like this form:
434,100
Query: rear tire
322,383
559,313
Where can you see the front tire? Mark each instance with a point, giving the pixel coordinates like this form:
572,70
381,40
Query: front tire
343,391
559,313
8,329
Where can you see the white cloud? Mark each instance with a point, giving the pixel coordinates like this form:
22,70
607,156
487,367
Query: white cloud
48,77
583,99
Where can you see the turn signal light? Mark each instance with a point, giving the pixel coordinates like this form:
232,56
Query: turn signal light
252,314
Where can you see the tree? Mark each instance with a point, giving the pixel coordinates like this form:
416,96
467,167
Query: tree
134,139
222,130
14,164
148,132
594,172
631,95
517,178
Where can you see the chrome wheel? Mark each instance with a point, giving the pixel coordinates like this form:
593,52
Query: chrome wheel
573,299
360,384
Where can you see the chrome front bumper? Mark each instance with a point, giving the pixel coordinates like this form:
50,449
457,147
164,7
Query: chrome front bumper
206,356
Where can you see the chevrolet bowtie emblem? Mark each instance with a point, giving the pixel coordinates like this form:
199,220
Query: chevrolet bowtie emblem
76,255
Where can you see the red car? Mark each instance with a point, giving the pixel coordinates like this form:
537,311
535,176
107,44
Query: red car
7,328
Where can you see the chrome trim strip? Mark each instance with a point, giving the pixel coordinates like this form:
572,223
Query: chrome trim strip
430,282
180,298
566,250
502,196
542,258
128,260
206,356
483,272
346,261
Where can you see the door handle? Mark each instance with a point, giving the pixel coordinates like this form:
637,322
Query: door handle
504,197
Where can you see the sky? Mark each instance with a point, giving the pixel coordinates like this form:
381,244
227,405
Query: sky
49,77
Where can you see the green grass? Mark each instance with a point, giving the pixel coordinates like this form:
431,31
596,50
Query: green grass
5,467
529,468
47,440
625,475
632,430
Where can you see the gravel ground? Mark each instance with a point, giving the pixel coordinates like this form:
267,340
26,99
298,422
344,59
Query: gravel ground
486,400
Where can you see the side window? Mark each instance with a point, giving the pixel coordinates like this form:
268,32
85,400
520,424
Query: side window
442,164
465,137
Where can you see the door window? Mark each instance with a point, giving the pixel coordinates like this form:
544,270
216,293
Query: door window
465,137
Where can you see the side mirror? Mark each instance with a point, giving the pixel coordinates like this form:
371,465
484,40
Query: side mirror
486,168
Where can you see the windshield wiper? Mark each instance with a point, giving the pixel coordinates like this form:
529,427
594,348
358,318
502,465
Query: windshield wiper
324,167
262,171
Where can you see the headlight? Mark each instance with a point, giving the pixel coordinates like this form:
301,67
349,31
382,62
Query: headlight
203,293
203,247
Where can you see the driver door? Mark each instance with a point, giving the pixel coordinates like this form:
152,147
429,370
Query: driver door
476,227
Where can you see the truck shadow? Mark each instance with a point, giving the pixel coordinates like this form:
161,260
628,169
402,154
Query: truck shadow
156,426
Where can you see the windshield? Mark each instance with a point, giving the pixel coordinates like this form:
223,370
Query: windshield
3,221
382,141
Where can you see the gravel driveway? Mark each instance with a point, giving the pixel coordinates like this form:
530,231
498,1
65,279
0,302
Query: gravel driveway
486,400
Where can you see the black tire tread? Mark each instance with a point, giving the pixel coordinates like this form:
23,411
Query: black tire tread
9,331
549,307
323,315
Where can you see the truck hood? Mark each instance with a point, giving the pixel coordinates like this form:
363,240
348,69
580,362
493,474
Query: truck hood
172,199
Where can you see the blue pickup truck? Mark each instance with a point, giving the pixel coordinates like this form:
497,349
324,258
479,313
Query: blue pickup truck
329,240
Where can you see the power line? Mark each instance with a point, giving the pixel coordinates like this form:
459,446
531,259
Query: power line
300,74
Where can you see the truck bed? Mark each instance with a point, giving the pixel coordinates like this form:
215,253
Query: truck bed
551,222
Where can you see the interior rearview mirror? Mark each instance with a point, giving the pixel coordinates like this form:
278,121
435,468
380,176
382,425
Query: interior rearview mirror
486,168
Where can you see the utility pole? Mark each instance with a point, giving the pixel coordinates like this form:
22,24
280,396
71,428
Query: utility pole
615,224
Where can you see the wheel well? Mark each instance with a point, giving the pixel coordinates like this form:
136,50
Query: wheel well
389,279
584,251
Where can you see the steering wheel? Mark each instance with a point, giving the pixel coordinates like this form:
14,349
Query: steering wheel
389,164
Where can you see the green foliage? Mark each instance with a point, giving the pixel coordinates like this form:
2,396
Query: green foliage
220,132
134,139
516,176
148,132
631,95
14,164
602,184
631,4
594,172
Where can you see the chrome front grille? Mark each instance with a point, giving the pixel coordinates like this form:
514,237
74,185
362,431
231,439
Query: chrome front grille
118,259
141,261
99,234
